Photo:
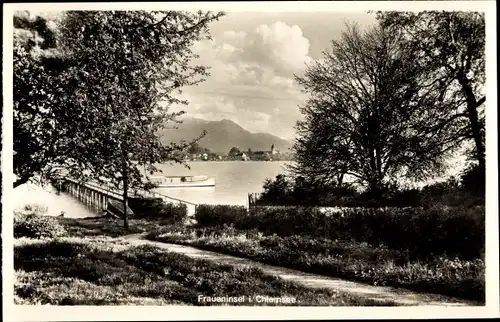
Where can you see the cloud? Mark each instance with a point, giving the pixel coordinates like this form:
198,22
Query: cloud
252,77
278,46
285,45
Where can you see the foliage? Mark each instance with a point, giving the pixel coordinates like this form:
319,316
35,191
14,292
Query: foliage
108,226
195,148
154,208
465,191
341,259
368,115
283,191
213,215
128,67
473,179
420,232
451,51
278,189
234,152
36,226
394,102
35,209
65,111
40,114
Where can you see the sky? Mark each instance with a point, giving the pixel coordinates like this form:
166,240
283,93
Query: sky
253,58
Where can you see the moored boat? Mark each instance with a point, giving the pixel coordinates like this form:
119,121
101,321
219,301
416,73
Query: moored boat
182,181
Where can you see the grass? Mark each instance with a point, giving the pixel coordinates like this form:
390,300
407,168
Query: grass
90,271
350,260
99,226
88,266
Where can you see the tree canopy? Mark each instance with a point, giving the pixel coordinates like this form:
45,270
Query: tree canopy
450,47
195,148
130,65
123,71
40,115
235,151
371,114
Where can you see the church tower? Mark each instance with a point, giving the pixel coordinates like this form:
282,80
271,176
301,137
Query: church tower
272,149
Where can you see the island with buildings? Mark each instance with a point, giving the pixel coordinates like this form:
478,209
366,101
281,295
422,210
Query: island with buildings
198,153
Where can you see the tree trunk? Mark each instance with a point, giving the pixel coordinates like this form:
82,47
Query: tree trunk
475,127
476,133
125,195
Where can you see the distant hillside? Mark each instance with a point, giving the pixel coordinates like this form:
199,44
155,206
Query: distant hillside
223,135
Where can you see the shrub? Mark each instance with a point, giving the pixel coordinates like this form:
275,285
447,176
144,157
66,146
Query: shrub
465,191
177,212
218,215
156,208
473,179
36,209
420,232
33,226
278,190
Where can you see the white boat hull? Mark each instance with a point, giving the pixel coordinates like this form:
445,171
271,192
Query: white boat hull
166,183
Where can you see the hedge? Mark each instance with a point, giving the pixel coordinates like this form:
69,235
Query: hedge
155,208
218,215
456,231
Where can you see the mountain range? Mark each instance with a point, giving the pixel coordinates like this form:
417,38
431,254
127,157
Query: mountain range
222,135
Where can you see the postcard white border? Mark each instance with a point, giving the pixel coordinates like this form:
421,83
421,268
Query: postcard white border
126,313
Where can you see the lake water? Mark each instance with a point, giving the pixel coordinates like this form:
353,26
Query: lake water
47,196
233,181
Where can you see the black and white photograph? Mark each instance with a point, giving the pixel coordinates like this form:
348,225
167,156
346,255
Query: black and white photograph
209,154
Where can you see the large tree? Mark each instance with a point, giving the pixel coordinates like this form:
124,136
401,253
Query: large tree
368,114
321,147
128,68
451,49
38,95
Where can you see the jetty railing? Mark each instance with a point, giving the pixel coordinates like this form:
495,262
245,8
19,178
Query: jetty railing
106,189
111,191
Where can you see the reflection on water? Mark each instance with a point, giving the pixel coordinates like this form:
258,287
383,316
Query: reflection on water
56,203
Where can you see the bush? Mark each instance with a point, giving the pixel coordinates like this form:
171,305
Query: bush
36,209
465,191
156,208
420,232
33,226
473,179
218,215
278,190
176,212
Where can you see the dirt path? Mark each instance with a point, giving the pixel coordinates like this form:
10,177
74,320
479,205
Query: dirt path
399,296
